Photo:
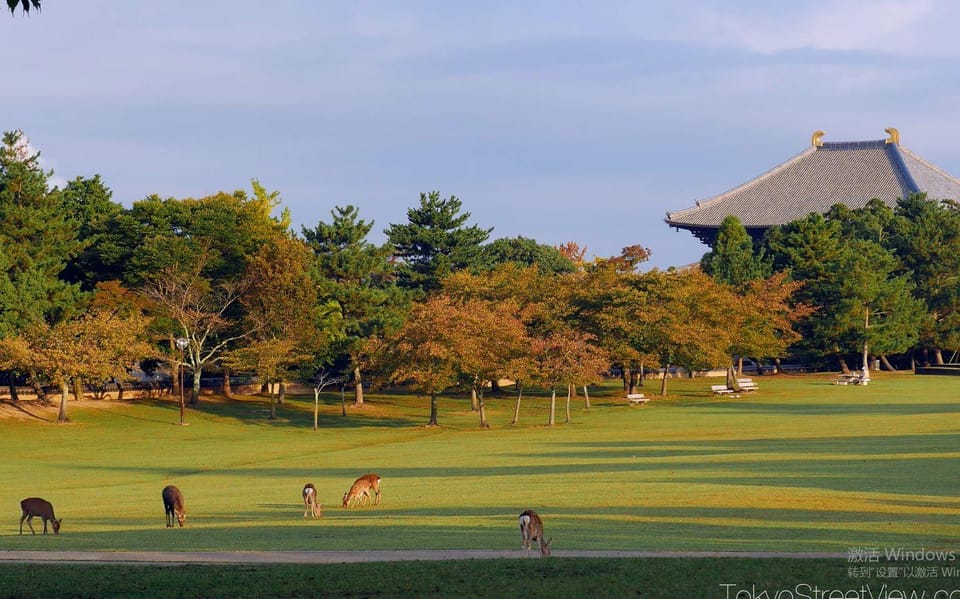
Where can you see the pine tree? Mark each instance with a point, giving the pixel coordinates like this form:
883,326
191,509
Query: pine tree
733,260
436,242
36,240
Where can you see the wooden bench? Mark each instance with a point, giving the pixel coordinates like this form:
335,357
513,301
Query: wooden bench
722,390
747,385
637,399
851,379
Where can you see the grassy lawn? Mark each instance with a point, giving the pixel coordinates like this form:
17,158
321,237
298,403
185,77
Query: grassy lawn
648,579
801,465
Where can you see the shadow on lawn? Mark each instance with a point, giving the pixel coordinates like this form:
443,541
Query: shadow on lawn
495,527
255,411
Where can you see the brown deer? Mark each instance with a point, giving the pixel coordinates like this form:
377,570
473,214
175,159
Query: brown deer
360,490
531,529
34,506
173,505
310,502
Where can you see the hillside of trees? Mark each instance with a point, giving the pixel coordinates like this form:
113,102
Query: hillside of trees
90,288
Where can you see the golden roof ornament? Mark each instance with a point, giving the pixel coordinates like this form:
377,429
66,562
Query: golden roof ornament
816,140
894,136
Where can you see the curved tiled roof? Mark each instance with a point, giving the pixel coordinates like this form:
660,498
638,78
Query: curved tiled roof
851,173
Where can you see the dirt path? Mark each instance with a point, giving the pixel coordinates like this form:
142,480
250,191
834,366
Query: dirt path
342,557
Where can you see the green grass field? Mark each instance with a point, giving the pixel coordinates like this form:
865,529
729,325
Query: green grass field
801,465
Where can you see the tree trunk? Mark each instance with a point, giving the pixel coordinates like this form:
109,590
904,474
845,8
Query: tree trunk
40,393
494,387
886,362
938,356
586,398
625,379
663,381
739,365
553,406
316,408
569,398
482,410
474,402
13,386
433,410
777,369
343,398
283,393
227,389
516,410
732,382
195,393
640,383
358,388
843,366
119,385
64,394
77,389
273,404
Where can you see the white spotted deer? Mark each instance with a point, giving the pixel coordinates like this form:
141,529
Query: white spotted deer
34,506
311,503
360,490
173,505
531,529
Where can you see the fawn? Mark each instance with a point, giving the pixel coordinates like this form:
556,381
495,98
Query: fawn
173,505
531,529
360,490
310,502
34,506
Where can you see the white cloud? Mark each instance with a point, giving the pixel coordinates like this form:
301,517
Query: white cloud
895,27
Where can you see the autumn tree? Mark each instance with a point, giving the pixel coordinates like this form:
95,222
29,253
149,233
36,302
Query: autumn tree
768,319
421,353
563,358
444,342
199,311
689,320
609,302
288,325
98,345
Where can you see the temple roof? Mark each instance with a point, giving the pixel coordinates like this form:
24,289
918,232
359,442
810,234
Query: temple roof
827,173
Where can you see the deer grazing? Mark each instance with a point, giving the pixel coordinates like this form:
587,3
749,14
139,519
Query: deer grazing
34,506
531,529
173,505
311,503
360,490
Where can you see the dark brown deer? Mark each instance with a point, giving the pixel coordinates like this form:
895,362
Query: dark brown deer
34,506
173,505
311,503
360,490
531,529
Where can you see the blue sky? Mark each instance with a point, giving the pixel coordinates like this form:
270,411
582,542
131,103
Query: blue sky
560,121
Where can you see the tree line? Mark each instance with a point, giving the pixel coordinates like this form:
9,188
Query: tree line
88,288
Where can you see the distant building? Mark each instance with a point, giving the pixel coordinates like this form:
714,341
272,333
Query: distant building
826,173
